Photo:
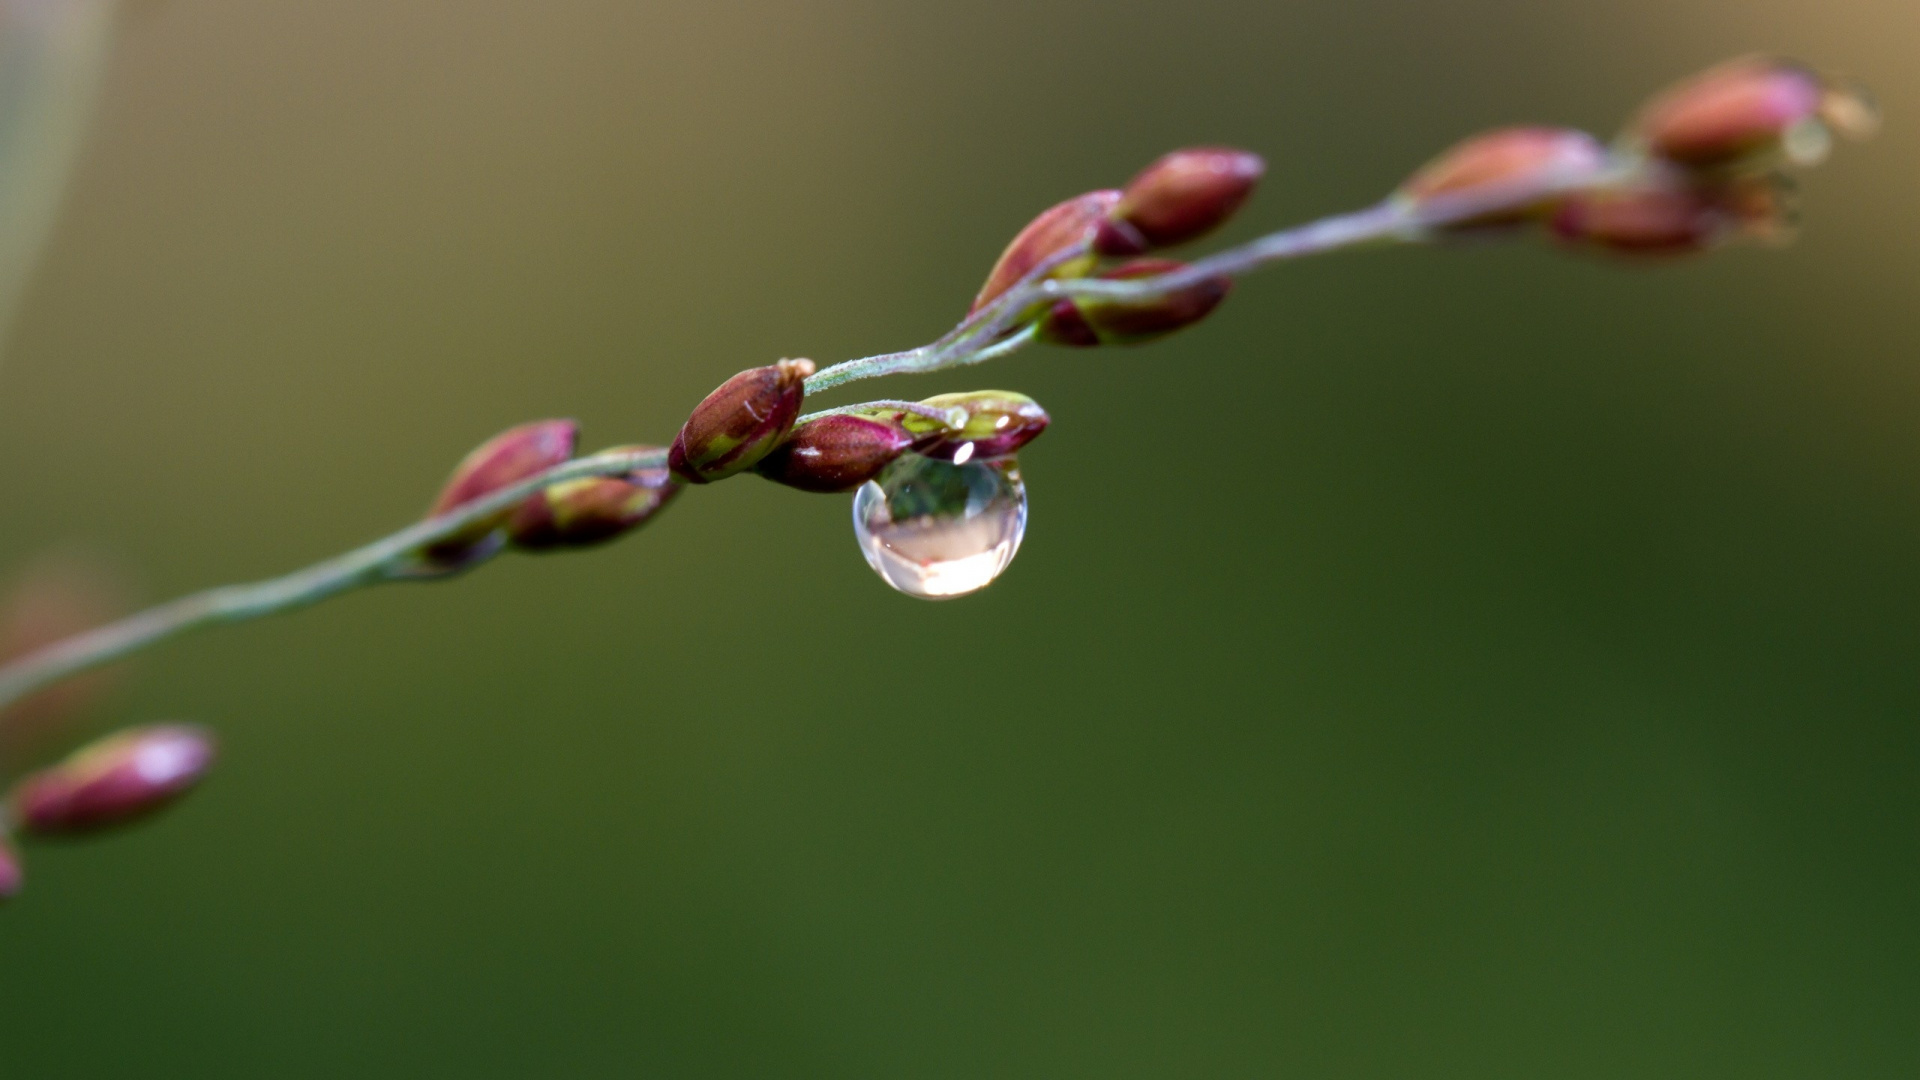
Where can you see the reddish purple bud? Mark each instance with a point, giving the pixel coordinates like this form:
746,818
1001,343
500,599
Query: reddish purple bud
1181,197
1092,320
836,453
1067,225
999,422
11,876
592,510
1749,111
507,458
1665,215
1516,159
739,423
118,779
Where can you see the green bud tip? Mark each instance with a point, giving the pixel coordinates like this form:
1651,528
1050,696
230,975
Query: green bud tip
997,424
739,423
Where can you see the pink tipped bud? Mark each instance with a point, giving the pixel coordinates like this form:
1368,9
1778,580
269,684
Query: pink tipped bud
1181,197
1516,160
1750,111
118,779
11,875
739,423
1071,224
1667,216
593,509
507,458
836,453
998,423
1092,320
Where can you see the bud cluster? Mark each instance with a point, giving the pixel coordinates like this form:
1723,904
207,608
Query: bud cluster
1698,165
1182,196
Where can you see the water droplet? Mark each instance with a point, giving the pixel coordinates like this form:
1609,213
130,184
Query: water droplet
940,529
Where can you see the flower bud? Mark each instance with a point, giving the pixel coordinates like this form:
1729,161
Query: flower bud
1747,112
1096,320
1057,229
507,458
999,422
1508,159
11,876
1664,216
740,422
1180,197
54,597
592,509
836,453
120,778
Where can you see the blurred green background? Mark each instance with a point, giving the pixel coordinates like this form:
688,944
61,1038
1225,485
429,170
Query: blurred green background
1484,663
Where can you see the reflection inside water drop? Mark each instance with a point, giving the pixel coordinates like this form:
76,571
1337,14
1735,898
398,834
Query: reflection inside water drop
939,529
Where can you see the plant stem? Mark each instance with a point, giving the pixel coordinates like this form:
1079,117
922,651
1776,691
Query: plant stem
983,335
369,565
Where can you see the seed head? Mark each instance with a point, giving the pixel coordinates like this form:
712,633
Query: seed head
1057,229
592,510
1095,320
118,779
739,423
1515,159
998,423
1181,197
507,458
1749,113
837,453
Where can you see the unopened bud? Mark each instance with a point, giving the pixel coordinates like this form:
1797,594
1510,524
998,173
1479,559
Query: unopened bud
592,509
1097,320
55,597
1059,228
11,876
998,423
1749,112
740,422
1181,197
507,458
836,453
1519,160
120,778
1665,216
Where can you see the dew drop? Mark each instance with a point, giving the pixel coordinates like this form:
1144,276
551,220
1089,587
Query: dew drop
939,529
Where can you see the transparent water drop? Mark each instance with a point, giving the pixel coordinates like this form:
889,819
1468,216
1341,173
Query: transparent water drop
939,529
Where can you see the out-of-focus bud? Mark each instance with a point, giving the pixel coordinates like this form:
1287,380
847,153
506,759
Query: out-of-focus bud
999,423
1662,215
592,509
1181,197
837,453
52,598
120,778
1514,159
11,876
1057,229
1750,111
507,458
1093,320
740,422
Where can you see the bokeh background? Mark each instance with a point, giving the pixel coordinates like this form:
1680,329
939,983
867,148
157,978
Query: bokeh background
1481,663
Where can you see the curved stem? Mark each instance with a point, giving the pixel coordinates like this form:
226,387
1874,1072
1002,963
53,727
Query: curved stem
367,565
984,334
